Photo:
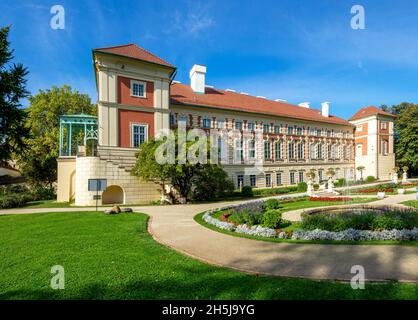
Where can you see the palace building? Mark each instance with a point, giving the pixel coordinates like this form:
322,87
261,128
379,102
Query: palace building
138,96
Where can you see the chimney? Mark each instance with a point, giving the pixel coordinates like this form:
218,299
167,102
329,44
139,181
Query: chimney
197,78
325,109
304,104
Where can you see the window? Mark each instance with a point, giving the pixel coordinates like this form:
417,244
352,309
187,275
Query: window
138,89
318,132
359,128
238,125
276,129
220,124
292,178
290,130
172,119
238,150
268,180
267,150
345,151
277,150
319,150
328,133
206,123
299,131
312,151
266,128
251,149
139,135
251,126
182,120
383,125
291,150
300,176
329,147
240,181
253,180
279,178
301,153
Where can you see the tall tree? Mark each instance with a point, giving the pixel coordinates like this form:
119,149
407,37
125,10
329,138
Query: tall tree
39,159
12,91
406,135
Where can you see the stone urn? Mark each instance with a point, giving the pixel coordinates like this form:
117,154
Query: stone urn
310,187
401,190
330,185
381,194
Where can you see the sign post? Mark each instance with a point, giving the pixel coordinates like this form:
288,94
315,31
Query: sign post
97,185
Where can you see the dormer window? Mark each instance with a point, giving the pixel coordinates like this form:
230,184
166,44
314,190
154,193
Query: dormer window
138,89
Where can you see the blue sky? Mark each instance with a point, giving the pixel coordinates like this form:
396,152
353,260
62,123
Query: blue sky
295,50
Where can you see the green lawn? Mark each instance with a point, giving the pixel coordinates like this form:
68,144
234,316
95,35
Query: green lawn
113,257
47,204
411,203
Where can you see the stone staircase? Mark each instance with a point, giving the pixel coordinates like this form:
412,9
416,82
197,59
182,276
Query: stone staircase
123,158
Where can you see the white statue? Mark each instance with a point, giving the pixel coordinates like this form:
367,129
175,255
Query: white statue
395,178
330,185
310,187
404,177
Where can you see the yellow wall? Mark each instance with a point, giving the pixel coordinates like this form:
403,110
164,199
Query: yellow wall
66,179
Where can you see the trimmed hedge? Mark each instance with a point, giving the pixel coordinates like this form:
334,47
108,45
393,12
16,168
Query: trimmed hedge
274,191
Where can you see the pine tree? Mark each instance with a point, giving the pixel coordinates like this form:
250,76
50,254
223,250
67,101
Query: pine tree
12,90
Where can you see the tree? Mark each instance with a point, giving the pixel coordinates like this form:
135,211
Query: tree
12,91
406,135
189,180
38,161
361,169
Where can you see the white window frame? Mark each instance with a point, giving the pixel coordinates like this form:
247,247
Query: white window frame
292,177
143,83
301,176
279,178
268,179
133,125
240,126
220,124
251,149
291,147
383,125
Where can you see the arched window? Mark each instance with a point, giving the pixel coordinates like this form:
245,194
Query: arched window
319,150
312,151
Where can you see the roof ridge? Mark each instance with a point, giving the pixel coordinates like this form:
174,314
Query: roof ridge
112,47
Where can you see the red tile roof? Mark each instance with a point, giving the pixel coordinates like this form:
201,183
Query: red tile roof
183,94
370,111
133,51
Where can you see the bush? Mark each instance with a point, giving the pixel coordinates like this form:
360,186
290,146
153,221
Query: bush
247,191
271,204
272,218
42,193
366,220
248,217
302,187
15,200
316,186
370,179
340,183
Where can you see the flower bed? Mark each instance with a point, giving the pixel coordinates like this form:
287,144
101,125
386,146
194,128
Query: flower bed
401,225
330,199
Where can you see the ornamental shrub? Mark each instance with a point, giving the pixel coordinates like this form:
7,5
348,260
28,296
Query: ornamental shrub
272,218
370,179
271,204
247,191
302,187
